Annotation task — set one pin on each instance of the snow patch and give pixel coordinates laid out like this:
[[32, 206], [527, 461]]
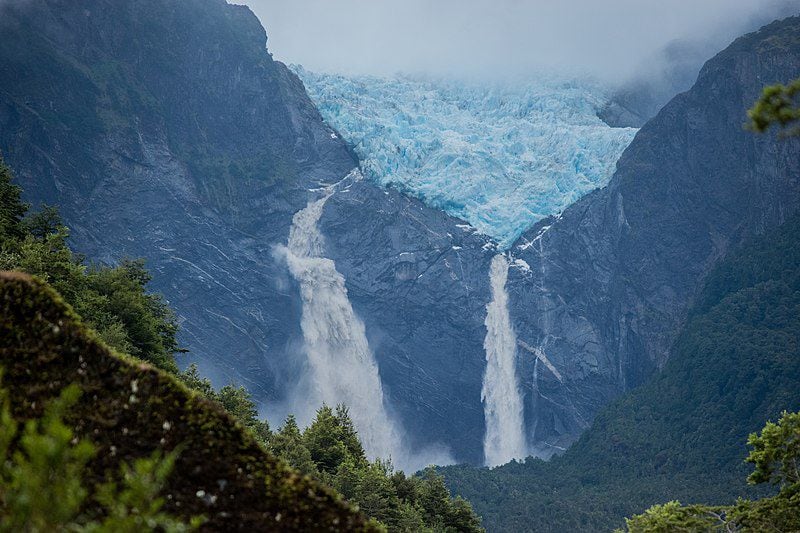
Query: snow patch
[[522, 265]]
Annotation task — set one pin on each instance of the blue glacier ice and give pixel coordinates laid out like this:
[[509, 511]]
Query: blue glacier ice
[[500, 157]]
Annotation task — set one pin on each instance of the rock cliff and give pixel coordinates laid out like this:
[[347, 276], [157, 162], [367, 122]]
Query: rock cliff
[[165, 130], [611, 279]]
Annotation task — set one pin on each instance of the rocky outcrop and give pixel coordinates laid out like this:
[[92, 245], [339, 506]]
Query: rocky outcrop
[[598, 294], [165, 130], [420, 281]]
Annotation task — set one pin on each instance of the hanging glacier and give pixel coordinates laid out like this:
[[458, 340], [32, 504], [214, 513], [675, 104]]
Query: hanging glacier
[[500, 157]]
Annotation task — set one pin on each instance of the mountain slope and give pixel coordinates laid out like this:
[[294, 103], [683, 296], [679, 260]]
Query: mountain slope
[[128, 410], [682, 435], [612, 278], [165, 130], [673, 69]]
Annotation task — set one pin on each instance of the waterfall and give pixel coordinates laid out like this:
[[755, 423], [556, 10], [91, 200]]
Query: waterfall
[[342, 368], [502, 400]]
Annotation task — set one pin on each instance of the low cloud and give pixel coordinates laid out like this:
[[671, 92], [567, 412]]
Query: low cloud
[[610, 38]]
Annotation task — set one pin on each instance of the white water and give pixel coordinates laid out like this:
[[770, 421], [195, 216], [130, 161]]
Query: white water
[[502, 400], [342, 368]]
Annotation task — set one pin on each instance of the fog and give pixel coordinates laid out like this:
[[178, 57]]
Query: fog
[[607, 38]]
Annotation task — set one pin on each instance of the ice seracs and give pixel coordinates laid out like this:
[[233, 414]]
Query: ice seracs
[[498, 157]]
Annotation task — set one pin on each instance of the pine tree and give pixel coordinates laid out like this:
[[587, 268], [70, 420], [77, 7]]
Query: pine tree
[[288, 444], [12, 209]]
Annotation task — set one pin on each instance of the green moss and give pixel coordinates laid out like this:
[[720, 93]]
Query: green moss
[[128, 409]]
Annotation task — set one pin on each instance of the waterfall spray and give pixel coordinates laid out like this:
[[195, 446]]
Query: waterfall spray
[[342, 368], [502, 400]]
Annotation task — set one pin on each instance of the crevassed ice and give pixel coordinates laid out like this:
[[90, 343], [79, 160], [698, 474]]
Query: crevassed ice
[[500, 158]]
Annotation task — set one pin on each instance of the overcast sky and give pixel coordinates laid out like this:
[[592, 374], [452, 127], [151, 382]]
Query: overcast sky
[[605, 37]]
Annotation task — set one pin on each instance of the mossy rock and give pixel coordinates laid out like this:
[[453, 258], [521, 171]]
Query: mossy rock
[[128, 409]]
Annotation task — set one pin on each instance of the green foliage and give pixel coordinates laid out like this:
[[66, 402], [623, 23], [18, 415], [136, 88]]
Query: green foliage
[[134, 504], [129, 409], [115, 303], [673, 517], [112, 300], [776, 107], [288, 445], [235, 400], [12, 210], [776, 452], [46, 221], [43, 484], [329, 449], [778, 513], [682, 435], [776, 456], [332, 440]]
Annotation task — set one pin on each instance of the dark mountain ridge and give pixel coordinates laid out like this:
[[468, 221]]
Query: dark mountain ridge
[[619, 269], [165, 130]]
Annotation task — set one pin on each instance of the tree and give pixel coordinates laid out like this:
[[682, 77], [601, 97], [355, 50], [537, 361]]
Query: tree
[[150, 323], [43, 486], [237, 401], [191, 378], [330, 450], [673, 517], [434, 498], [348, 434], [329, 438], [776, 457], [44, 222], [462, 516], [375, 494], [12, 209], [288, 444], [777, 106], [114, 301], [776, 453]]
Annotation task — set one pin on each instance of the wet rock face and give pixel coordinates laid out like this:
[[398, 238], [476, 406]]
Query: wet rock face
[[612, 278], [165, 130], [598, 297], [420, 281]]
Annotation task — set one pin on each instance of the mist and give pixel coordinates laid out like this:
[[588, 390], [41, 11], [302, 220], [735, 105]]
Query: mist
[[609, 39]]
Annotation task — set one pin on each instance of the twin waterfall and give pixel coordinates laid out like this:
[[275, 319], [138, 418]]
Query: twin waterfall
[[502, 400], [342, 368]]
